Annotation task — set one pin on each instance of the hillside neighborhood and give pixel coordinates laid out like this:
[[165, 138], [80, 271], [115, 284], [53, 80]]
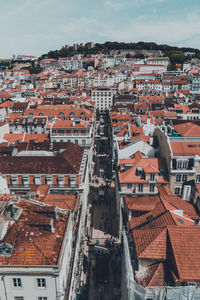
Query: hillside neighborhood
[[100, 177]]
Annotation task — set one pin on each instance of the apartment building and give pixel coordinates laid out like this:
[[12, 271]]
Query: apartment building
[[77, 132], [153, 261], [70, 64], [64, 169], [180, 146], [35, 250], [141, 176], [103, 98]]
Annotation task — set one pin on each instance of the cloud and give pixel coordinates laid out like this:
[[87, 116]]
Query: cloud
[[36, 27], [114, 5], [161, 31], [117, 5]]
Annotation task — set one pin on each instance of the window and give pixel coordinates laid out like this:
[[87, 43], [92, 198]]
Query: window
[[49, 180], [17, 282], [61, 181], [37, 180], [129, 185], [151, 187], [14, 180], [41, 282], [76, 142], [26, 181], [42, 298], [177, 191], [73, 181], [19, 298], [198, 178], [61, 131], [178, 178], [185, 164], [152, 176], [140, 187], [184, 177], [83, 142], [179, 164]]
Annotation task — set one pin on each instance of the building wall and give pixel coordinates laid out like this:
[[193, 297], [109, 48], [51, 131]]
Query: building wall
[[103, 98], [4, 129], [164, 146], [135, 189], [29, 289]]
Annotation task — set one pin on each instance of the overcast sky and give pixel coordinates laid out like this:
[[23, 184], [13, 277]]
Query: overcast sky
[[34, 27]]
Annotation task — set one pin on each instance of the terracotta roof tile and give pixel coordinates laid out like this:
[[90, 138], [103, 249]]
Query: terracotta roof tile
[[151, 243], [32, 245], [185, 243]]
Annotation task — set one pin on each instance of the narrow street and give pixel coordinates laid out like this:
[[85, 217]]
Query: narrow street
[[102, 248]]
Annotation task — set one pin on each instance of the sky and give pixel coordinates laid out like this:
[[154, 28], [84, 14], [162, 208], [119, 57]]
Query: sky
[[35, 27]]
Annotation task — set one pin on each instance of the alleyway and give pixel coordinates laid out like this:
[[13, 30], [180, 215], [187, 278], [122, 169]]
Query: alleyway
[[102, 248]]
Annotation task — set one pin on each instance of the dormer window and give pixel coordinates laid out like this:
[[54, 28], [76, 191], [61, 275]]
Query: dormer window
[[37, 180], [61, 180], [139, 171], [5, 249], [14, 179], [152, 176], [73, 181], [49, 180], [26, 181]]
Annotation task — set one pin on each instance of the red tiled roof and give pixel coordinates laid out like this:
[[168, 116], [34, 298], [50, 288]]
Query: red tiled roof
[[32, 245], [146, 203], [180, 204], [13, 137], [187, 129], [149, 165], [68, 162], [36, 137], [61, 201], [185, 244], [151, 243], [185, 148]]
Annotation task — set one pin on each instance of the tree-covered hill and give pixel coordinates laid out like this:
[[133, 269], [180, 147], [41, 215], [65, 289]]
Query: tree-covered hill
[[176, 54]]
